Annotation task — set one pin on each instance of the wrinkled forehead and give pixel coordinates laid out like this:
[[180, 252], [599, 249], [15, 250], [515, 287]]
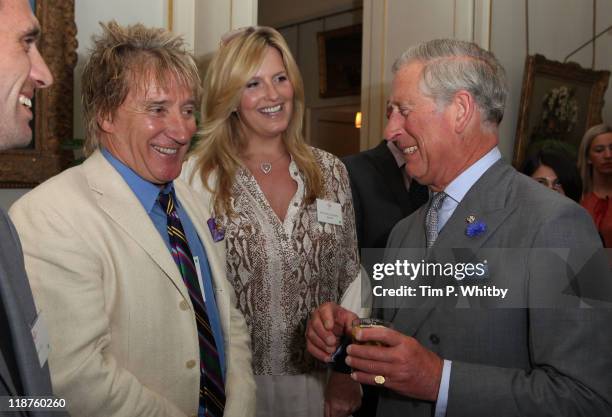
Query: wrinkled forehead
[[405, 79], [149, 83], [145, 72]]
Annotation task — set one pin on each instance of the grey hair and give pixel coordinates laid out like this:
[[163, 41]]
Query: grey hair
[[451, 65]]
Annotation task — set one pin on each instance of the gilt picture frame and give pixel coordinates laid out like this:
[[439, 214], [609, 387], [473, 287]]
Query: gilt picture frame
[[559, 102], [53, 106]]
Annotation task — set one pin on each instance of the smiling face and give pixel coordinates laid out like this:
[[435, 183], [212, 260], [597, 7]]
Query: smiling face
[[22, 70], [600, 154], [424, 133], [151, 130], [266, 103]]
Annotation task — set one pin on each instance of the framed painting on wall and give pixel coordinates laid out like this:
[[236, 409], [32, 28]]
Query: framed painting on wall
[[559, 102], [340, 61], [52, 107]]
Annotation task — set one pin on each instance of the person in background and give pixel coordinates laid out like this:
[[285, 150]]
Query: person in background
[[383, 193], [285, 213], [556, 171], [595, 164], [141, 318], [24, 369]]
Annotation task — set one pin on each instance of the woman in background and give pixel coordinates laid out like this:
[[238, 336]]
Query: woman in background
[[595, 164], [286, 213], [555, 170]]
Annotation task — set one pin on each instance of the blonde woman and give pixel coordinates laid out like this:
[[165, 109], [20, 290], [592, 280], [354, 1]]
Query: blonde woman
[[595, 164], [286, 214]]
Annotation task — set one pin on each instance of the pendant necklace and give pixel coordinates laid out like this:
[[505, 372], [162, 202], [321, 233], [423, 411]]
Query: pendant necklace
[[266, 167]]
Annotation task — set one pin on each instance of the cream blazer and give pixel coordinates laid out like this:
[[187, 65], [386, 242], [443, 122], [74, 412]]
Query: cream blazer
[[122, 330]]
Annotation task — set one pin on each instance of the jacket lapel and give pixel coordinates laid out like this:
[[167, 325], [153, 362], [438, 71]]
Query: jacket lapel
[[486, 201], [117, 200], [197, 207]]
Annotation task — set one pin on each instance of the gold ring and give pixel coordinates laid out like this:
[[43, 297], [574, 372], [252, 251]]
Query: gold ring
[[379, 379]]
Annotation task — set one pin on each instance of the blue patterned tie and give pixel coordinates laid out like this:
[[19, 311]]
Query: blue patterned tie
[[212, 391]]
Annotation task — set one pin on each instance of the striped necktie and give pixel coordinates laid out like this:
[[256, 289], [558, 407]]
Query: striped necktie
[[212, 391]]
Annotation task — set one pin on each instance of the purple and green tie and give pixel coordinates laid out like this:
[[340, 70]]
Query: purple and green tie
[[212, 391]]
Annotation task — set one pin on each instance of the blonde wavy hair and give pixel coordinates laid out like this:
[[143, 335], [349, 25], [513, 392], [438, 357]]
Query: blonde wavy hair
[[584, 165], [238, 58]]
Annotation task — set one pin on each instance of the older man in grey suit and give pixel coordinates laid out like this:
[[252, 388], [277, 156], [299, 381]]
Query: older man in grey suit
[[23, 369], [527, 361]]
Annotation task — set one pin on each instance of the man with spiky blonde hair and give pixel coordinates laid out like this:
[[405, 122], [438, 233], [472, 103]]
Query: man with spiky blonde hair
[[141, 318]]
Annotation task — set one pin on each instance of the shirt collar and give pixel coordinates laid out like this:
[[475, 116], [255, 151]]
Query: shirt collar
[[145, 191], [459, 187]]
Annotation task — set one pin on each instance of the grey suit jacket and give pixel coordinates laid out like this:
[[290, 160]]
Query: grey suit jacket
[[512, 361], [20, 314]]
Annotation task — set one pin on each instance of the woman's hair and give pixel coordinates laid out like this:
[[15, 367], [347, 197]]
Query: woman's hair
[[238, 58], [562, 165], [586, 169]]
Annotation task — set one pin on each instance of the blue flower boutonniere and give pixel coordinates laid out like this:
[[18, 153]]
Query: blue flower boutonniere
[[474, 227], [217, 232]]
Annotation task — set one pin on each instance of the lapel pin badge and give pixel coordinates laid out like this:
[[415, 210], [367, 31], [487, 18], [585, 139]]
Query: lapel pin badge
[[474, 227], [217, 232]]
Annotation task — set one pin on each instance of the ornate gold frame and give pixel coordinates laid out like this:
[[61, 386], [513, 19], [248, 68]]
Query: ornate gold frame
[[537, 70], [24, 168]]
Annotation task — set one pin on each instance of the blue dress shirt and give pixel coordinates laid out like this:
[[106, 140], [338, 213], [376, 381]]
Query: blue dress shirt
[[147, 194], [455, 191]]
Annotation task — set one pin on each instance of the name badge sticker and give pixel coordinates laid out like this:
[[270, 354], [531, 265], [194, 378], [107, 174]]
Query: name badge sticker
[[329, 212], [40, 335], [196, 262]]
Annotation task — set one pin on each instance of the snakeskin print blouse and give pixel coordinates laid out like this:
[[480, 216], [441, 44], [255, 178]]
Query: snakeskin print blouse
[[282, 270]]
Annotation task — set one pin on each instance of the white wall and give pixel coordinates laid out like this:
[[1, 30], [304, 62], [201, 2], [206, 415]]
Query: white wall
[[390, 26], [215, 17], [556, 28], [87, 15]]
